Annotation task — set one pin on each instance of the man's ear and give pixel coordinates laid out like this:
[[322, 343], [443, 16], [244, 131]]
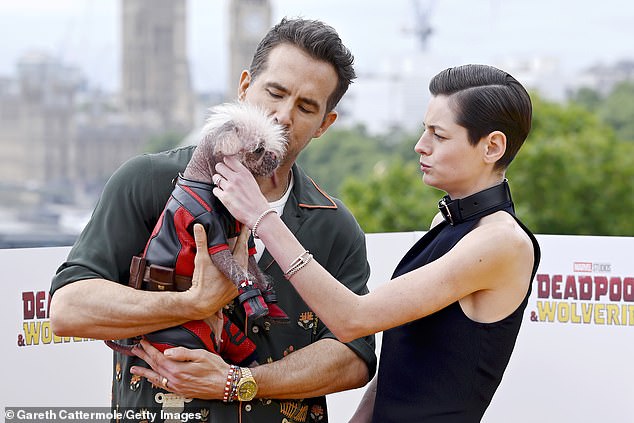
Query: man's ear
[[245, 81], [494, 146], [329, 119]]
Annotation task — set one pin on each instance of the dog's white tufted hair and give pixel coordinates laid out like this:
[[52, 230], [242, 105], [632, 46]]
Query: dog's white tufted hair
[[253, 126]]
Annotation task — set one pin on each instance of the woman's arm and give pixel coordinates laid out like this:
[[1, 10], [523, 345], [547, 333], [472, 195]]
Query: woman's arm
[[482, 260]]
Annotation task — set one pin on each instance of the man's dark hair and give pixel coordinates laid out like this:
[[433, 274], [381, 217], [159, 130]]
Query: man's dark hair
[[487, 99], [318, 40]]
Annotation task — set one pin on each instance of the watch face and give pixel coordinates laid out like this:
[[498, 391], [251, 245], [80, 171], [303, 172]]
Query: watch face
[[247, 390]]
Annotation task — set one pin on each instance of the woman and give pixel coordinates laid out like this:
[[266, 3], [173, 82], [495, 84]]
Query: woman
[[452, 311]]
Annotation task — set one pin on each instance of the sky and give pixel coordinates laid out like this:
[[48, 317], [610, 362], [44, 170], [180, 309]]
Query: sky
[[575, 34]]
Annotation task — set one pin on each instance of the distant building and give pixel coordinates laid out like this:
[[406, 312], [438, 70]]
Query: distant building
[[539, 73], [37, 123], [249, 20], [59, 140], [393, 98], [602, 78], [156, 88], [105, 138], [396, 94]]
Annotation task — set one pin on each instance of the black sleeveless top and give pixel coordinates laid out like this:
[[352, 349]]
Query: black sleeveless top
[[444, 367]]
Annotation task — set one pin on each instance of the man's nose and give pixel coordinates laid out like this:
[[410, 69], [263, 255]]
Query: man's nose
[[282, 115]]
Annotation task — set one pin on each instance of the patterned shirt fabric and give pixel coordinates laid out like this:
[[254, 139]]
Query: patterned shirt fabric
[[121, 225]]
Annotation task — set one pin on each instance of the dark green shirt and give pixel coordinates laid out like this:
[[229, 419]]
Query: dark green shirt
[[122, 222]]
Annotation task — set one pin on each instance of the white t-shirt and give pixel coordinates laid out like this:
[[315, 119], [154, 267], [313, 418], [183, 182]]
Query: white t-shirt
[[278, 205]]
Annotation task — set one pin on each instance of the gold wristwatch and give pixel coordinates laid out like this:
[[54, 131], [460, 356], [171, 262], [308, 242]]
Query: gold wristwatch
[[247, 387]]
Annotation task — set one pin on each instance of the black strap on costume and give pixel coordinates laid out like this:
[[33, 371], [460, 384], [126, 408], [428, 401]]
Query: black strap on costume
[[476, 205]]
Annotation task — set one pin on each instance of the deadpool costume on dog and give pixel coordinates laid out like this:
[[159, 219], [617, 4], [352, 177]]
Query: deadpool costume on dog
[[168, 263]]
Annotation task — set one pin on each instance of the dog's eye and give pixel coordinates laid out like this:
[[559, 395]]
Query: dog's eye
[[259, 150]]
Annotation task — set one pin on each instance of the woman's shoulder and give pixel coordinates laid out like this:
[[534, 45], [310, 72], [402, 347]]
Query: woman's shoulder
[[502, 231]]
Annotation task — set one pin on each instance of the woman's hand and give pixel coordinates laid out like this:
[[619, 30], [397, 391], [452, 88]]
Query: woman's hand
[[238, 190]]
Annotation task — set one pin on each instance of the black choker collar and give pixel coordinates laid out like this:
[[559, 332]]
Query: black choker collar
[[476, 205]]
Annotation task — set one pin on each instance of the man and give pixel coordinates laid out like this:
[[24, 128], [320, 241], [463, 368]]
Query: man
[[299, 72]]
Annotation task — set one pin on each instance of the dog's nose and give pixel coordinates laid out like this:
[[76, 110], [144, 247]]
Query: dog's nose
[[269, 155]]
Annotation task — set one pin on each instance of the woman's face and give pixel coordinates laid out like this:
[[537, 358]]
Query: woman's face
[[447, 159]]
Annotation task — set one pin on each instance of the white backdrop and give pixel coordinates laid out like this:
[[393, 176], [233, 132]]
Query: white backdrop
[[572, 362]]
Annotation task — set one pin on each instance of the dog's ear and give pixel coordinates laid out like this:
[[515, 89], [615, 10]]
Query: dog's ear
[[227, 141]]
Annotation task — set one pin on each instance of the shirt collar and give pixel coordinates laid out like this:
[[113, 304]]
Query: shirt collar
[[308, 194]]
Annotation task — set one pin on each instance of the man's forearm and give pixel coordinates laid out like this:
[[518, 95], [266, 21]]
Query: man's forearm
[[101, 309], [325, 367]]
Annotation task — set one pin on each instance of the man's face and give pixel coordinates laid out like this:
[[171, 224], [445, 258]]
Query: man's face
[[294, 88]]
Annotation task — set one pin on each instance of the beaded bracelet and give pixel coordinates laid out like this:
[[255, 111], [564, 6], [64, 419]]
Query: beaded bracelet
[[301, 261], [233, 395], [258, 220], [231, 385]]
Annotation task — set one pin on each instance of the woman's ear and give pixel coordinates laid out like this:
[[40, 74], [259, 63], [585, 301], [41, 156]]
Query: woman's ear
[[494, 147]]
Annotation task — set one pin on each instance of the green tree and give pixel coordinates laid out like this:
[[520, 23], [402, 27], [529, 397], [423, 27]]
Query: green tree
[[573, 176], [340, 153], [588, 98], [392, 199], [343, 153], [617, 110], [402, 146]]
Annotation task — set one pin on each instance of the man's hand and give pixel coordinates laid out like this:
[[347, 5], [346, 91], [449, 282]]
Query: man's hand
[[210, 287], [191, 373]]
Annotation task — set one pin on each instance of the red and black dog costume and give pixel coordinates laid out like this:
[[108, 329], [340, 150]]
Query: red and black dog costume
[[168, 263]]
